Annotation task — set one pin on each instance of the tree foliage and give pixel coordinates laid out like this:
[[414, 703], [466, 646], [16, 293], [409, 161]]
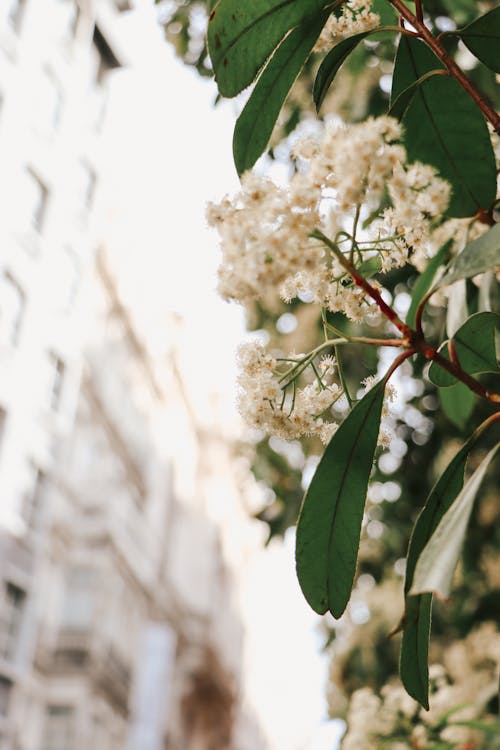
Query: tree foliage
[[446, 336]]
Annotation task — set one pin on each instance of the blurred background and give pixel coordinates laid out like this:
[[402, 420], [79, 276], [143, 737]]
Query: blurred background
[[148, 598], [138, 606]]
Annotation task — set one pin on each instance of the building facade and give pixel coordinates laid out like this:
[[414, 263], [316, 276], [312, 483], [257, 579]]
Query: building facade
[[118, 622]]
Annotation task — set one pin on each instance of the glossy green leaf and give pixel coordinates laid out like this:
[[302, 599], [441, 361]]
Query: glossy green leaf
[[477, 257], [482, 37], [403, 100], [414, 660], [388, 15], [436, 565], [424, 282], [331, 65], [463, 156], [256, 122], [329, 524], [438, 375], [457, 402], [241, 36], [475, 348]]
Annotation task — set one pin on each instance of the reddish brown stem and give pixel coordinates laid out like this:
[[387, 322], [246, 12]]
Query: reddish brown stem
[[399, 361], [413, 340], [456, 370], [360, 281], [418, 10], [448, 60]]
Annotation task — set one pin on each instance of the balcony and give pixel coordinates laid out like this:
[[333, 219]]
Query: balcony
[[85, 653]]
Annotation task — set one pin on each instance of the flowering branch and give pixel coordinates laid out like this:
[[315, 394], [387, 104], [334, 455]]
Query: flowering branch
[[413, 340], [360, 281], [447, 60]]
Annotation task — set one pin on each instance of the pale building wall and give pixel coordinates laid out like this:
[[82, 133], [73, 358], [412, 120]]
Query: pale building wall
[[120, 544]]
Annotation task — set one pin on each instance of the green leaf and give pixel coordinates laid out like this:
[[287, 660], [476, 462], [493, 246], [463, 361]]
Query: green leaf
[[403, 100], [463, 156], [477, 257], [424, 282], [242, 35], [388, 14], [329, 524], [255, 124], [438, 375], [482, 37], [413, 665], [457, 402], [437, 563], [414, 658], [475, 348], [331, 65]]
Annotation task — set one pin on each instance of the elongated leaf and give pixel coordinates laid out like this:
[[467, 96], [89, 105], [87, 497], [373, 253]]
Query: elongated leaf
[[255, 124], [414, 657], [475, 348], [331, 65], [242, 35], [464, 155], [482, 37], [437, 563], [403, 100], [457, 402], [477, 257], [413, 665], [424, 282], [329, 525]]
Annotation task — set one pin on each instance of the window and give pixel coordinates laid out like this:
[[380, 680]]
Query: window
[[56, 377], [59, 728], [3, 419], [33, 499], [11, 617], [13, 11], [12, 304], [106, 57], [5, 688], [33, 199], [87, 180], [48, 102], [79, 600]]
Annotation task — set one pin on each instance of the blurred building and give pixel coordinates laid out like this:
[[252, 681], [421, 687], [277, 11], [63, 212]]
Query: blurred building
[[118, 624]]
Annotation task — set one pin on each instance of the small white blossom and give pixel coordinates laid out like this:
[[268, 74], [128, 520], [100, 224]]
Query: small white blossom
[[355, 16]]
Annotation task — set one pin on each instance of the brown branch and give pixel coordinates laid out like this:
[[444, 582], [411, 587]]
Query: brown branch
[[454, 369], [413, 340], [360, 281], [448, 60]]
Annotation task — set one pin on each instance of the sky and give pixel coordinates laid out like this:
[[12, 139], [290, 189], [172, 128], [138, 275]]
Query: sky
[[177, 156]]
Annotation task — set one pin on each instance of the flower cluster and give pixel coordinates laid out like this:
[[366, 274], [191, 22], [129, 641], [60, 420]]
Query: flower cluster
[[342, 177], [461, 689], [273, 242], [355, 17], [287, 411], [264, 234]]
